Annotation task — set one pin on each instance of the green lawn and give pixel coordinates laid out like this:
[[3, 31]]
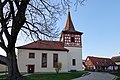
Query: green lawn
[[117, 74], [3, 77], [53, 76]]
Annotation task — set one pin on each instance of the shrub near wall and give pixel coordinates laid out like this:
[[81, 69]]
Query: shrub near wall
[[58, 67]]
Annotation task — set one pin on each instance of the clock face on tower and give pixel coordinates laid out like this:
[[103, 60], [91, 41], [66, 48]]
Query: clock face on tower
[[72, 40]]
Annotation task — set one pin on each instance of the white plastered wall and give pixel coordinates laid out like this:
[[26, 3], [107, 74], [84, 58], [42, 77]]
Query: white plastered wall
[[75, 53], [118, 63], [23, 60], [3, 68]]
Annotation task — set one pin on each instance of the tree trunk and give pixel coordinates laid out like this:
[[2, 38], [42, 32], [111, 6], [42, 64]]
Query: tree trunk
[[13, 72]]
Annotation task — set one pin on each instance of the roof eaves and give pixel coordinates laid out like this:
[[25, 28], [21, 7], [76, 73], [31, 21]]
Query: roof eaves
[[44, 49]]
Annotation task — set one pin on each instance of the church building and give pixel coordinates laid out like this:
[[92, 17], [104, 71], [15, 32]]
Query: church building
[[41, 55]]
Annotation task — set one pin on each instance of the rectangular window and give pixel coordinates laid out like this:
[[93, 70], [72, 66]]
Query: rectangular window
[[31, 55], [73, 62], [72, 39], [55, 59], [44, 60]]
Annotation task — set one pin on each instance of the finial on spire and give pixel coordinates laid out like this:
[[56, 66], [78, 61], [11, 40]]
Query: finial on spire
[[68, 5]]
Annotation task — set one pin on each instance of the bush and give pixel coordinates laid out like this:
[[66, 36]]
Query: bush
[[58, 67]]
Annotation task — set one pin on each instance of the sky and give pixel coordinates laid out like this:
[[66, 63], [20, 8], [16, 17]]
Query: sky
[[99, 20]]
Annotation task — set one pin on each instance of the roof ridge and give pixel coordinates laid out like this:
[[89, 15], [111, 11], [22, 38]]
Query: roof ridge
[[98, 57], [38, 41], [115, 56]]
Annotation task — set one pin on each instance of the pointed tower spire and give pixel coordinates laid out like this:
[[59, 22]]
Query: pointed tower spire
[[69, 24], [69, 29]]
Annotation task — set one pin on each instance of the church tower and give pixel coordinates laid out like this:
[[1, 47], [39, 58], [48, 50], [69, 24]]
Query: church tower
[[71, 40]]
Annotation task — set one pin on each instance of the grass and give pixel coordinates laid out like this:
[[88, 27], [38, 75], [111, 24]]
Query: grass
[[3, 77], [117, 74], [52, 76]]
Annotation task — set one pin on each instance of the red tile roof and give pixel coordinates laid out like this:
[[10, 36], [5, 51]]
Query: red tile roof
[[44, 45], [1, 62], [97, 61], [116, 58]]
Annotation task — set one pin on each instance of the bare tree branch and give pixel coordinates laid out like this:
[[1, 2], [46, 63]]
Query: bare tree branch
[[12, 8], [2, 43], [33, 17]]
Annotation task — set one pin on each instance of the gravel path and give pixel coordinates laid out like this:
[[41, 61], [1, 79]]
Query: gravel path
[[97, 76]]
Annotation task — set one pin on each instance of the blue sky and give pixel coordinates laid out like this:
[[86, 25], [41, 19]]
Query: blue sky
[[99, 20]]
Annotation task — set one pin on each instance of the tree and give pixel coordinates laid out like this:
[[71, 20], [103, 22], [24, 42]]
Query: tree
[[34, 18]]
